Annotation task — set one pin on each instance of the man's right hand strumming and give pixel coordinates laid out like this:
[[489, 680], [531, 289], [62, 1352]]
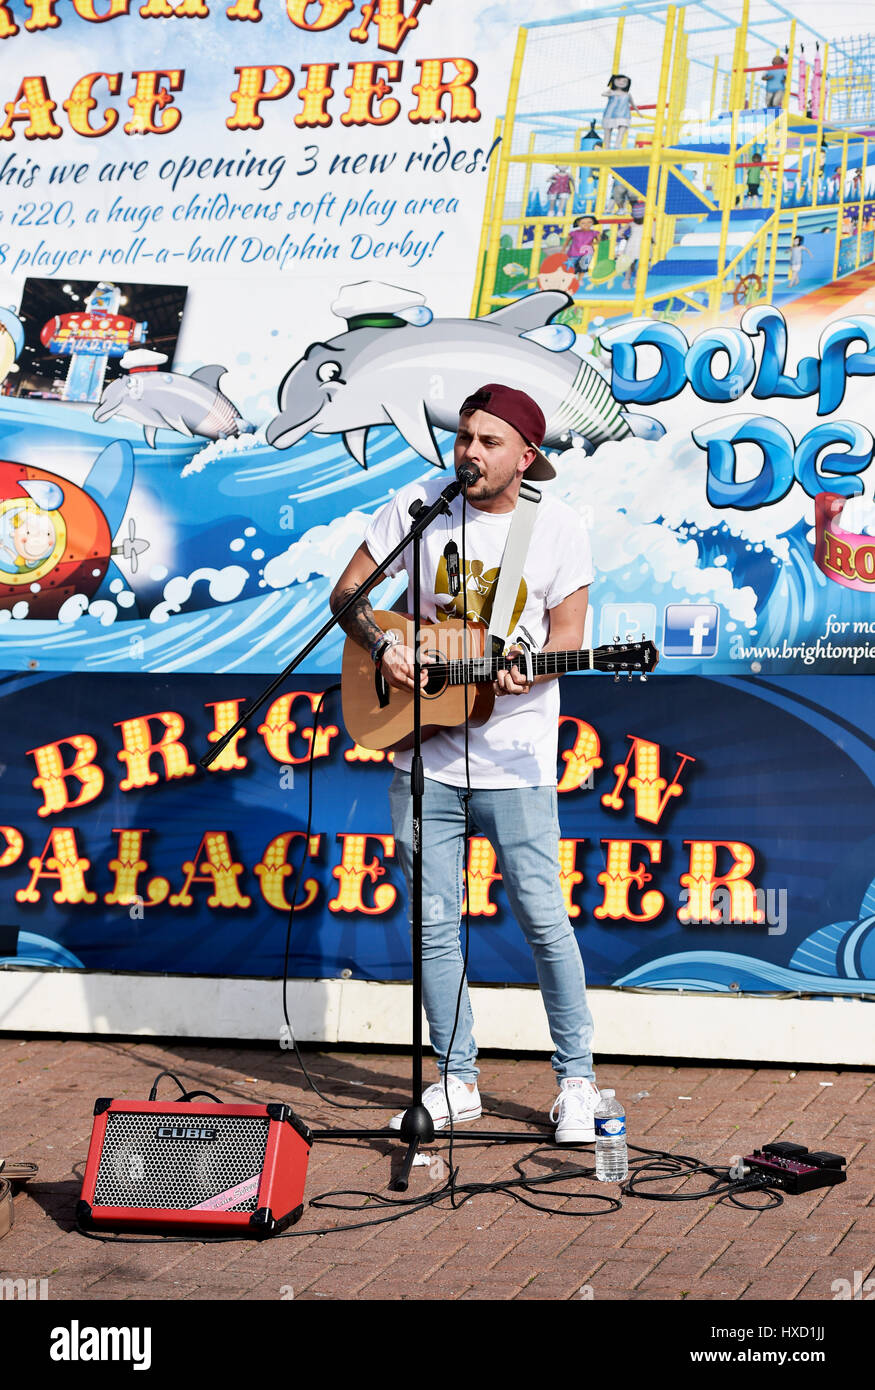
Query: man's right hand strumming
[[398, 669], [396, 661]]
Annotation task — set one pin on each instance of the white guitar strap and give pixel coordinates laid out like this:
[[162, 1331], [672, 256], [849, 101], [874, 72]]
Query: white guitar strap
[[516, 548]]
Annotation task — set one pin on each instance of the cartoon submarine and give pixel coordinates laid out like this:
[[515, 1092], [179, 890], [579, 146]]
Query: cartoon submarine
[[56, 539]]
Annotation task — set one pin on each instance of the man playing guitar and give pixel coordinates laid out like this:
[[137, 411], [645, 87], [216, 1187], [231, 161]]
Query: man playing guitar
[[511, 759]]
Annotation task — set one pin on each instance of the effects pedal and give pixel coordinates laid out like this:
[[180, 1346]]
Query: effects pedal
[[792, 1168]]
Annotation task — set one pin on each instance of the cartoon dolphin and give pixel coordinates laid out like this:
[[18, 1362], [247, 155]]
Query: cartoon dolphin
[[396, 365], [170, 400]]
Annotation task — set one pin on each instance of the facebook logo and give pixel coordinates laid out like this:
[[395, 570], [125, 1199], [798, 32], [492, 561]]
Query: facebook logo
[[618, 619], [690, 629]]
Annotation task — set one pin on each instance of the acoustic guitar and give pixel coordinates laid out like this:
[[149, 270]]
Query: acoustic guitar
[[460, 676]]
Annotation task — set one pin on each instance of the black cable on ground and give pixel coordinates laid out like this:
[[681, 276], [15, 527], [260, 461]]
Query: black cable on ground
[[654, 1165], [667, 1167]]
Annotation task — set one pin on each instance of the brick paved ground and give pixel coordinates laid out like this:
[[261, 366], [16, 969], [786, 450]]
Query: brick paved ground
[[491, 1248]]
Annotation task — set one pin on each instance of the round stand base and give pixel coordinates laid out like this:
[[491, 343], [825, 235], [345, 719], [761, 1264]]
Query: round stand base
[[417, 1124]]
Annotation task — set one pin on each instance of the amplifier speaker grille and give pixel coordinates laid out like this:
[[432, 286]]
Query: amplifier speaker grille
[[139, 1169]]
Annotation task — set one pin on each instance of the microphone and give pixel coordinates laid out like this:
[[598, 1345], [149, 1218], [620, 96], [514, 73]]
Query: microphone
[[467, 476]]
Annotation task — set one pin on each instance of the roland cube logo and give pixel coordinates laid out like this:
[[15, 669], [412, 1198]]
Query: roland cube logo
[[690, 629], [184, 1132]]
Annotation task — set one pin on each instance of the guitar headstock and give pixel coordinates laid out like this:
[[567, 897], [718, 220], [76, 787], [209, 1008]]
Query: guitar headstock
[[626, 658]]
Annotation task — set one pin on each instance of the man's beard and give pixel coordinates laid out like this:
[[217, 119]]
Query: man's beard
[[484, 492]]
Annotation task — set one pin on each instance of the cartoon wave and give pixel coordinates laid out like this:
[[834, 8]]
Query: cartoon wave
[[234, 512], [30, 949], [238, 509], [724, 972], [257, 634], [838, 958]]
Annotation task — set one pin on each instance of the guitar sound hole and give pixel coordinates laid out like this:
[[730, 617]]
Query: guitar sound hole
[[436, 684]]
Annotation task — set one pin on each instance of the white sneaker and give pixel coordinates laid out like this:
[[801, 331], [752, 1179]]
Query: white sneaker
[[574, 1111], [465, 1104]]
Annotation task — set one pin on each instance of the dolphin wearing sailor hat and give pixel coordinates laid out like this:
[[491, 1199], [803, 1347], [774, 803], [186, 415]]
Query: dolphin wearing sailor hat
[[398, 365]]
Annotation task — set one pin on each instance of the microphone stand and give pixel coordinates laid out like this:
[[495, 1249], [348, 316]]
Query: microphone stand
[[417, 1126]]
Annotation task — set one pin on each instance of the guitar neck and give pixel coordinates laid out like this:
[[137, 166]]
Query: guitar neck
[[479, 669]]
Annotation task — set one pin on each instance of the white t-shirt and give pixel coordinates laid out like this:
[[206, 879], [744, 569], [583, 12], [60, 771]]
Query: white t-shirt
[[517, 745]]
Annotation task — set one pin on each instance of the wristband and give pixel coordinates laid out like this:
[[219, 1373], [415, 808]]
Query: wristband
[[378, 650]]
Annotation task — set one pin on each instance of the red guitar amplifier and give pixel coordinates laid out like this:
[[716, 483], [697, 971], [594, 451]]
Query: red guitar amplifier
[[186, 1168]]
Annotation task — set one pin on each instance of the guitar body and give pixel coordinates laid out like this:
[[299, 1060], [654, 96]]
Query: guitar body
[[460, 679], [383, 719]]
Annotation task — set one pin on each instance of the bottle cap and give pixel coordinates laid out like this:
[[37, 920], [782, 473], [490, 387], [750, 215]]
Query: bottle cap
[[608, 1093]]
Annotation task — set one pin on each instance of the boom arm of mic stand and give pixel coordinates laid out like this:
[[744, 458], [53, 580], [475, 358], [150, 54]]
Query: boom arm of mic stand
[[423, 519]]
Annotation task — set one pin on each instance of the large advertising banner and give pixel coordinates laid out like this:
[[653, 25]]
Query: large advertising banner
[[693, 853], [253, 255]]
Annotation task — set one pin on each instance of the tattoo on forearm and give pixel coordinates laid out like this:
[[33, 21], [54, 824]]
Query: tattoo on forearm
[[358, 622]]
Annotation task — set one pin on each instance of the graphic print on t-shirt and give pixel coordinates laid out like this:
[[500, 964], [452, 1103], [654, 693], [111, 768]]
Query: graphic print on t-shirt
[[475, 599]]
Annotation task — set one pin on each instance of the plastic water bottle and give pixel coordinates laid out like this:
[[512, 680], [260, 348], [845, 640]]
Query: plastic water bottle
[[611, 1158]]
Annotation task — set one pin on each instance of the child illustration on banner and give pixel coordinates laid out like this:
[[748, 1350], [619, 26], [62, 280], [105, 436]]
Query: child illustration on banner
[[796, 251], [29, 529], [754, 178], [616, 116], [555, 274], [776, 80], [581, 243], [621, 197], [559, 190], [629, 249]]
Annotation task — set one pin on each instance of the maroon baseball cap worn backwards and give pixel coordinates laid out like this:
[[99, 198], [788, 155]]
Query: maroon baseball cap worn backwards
[[525, 415]]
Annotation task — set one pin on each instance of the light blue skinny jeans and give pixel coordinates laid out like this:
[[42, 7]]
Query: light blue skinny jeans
[[522, 824]]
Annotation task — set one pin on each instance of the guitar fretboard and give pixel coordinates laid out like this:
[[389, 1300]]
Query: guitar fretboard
[[479, 669]]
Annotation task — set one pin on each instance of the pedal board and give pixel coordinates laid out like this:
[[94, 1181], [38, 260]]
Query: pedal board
[[792, 1168]]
